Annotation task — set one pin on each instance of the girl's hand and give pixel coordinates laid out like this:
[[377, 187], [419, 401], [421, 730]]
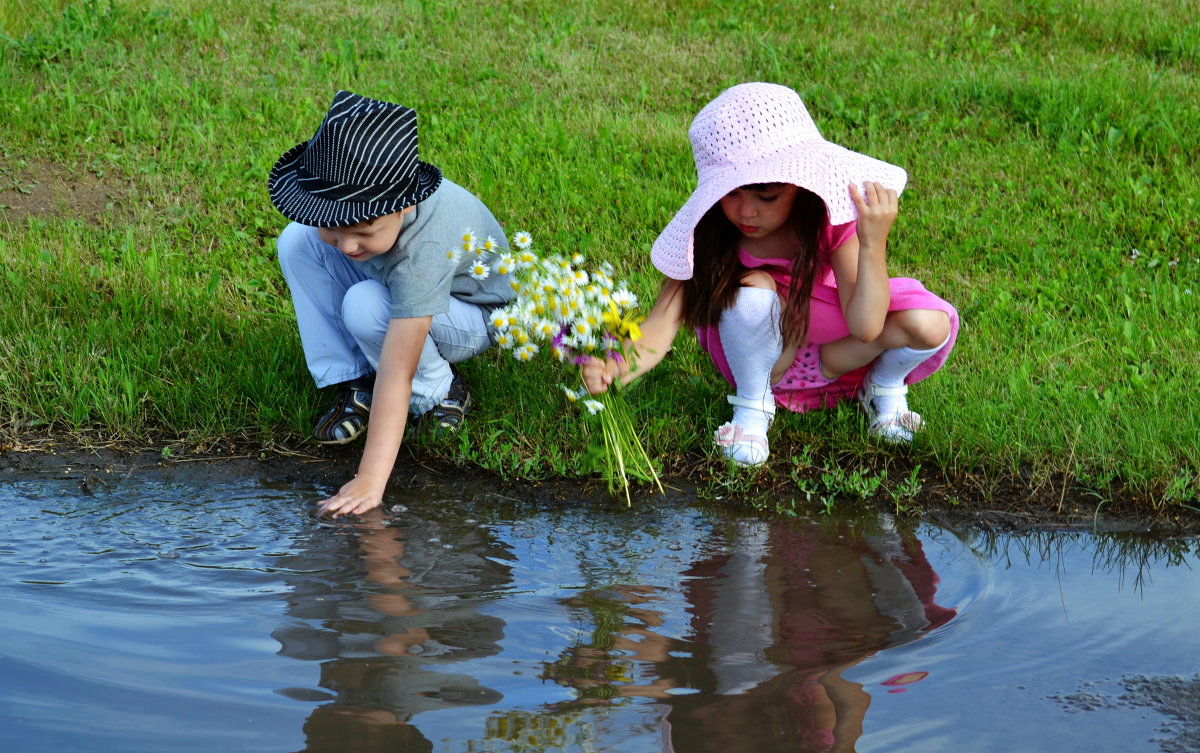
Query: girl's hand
[[597, 376], [877, 209]]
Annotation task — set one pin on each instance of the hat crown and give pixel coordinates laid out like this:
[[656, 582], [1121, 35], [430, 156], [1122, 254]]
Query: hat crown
[[363, 147], [748, 123]]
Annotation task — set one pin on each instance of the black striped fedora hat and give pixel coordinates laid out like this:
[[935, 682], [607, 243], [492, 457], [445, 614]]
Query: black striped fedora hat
[[361, 164]]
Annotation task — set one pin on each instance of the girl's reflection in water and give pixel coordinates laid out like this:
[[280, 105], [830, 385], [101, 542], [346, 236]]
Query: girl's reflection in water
[[388, 626], [775, 620]]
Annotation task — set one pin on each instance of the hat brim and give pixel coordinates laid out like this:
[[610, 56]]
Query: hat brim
[[822, 167], [300, 206]]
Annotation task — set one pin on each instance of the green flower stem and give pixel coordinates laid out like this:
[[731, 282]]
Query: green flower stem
[[624, 455]]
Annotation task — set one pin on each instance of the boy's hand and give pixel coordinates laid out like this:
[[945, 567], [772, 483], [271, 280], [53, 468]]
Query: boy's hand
[[877, 209], [356, 496], [596, 375]]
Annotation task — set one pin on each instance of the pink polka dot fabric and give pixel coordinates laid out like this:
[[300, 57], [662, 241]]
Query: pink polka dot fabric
[[762, 133]]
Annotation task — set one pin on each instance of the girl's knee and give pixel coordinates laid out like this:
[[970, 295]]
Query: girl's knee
[[925, 328], [756, 278], [752, 309]]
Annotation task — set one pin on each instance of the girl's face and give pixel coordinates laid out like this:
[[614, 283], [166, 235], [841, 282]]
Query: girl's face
[[366, 239], [759, 210]]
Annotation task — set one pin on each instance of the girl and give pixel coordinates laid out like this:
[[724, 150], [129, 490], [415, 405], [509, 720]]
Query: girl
[[778, 260]]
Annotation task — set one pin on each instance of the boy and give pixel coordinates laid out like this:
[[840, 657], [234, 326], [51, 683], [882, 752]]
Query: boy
[[382, 311]]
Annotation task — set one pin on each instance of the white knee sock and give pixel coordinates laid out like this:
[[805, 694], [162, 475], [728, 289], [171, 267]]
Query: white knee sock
[[890, 369], [750, 338]]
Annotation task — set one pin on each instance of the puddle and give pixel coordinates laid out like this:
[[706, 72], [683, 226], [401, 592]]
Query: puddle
[[149, 615]]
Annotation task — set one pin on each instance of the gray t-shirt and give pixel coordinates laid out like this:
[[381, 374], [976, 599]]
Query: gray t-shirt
[[417, 272]]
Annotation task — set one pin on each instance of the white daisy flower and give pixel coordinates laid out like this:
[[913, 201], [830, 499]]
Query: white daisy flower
[[453, 255], [480, 271], [500, 320], [593, 406], [506, 264], [545, 329], [522, 240], [624, 298]]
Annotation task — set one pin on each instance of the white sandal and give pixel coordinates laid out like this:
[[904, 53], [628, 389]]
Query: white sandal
[[898, 427], [740, 447]]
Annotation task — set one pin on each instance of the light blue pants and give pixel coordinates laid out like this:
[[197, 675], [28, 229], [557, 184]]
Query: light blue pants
[[343, 316]]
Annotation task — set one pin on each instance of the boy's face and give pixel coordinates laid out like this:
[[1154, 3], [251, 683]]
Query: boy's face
[[366, 239]]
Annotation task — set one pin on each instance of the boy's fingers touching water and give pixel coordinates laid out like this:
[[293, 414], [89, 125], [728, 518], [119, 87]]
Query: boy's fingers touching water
[[354, 498]]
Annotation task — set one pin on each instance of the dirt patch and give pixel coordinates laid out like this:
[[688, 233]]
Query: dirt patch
[[1013, 503], [50, 190], [1176, 698]]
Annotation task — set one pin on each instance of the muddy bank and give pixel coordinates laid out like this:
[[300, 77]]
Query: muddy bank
[[1011, 503]]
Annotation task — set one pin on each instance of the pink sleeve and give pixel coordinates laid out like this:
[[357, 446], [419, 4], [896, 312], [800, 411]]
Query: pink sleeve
[[836, 235], [832, 237]]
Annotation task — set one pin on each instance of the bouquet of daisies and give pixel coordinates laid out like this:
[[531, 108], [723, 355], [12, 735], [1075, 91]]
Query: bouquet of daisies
[[565, 310]]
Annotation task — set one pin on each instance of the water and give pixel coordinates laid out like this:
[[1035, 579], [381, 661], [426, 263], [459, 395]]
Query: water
[[152, 616]]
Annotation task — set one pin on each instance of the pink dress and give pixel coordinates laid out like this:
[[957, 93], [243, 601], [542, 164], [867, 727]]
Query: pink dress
[[798, 391]]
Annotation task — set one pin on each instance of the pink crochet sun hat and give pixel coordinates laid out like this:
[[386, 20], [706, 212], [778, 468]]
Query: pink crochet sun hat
[[762, 133]]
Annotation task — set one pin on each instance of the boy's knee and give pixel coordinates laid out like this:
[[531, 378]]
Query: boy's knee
[[366, 307], [292, 241]]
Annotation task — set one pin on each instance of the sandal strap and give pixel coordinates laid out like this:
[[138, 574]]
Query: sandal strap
[[871, 390], [746, 403]]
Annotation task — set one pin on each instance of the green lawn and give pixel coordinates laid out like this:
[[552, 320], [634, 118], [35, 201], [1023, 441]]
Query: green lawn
[[1052, 148]]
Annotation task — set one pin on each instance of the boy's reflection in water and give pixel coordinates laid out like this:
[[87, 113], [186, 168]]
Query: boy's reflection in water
[[387, 624], [775, 622]]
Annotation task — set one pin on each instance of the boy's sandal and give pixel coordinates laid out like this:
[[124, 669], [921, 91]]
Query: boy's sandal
[[898, 427], [448, 415], [740, 447], [347, 419]]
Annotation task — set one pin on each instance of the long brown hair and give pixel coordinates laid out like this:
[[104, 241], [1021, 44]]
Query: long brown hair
[[717, 272]]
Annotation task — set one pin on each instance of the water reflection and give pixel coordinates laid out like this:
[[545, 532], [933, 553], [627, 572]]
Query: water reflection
[[143, 616], [388, 624], [775, 618]]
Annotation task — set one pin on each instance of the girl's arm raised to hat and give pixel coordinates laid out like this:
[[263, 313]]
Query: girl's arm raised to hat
[[389, 413], [860, 264], [658, 332]]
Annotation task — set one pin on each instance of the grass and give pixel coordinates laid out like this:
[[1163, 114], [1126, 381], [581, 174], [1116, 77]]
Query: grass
[[1053, 198]]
